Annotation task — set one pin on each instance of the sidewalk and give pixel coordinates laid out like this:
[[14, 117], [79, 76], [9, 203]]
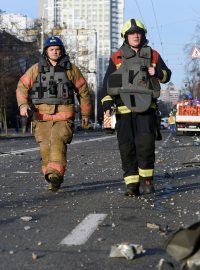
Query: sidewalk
[[12, 133]]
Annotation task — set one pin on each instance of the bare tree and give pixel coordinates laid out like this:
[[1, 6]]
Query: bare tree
[[192, 72]]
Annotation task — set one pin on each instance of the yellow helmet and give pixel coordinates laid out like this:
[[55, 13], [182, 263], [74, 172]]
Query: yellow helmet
[[131, 26]]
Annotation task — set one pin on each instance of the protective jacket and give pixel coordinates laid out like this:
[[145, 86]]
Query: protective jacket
[[127, 72], [50, 89]]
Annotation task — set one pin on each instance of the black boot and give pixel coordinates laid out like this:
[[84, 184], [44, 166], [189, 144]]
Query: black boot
[[147, 187], [132, 190], [158, 136], [55, 181]]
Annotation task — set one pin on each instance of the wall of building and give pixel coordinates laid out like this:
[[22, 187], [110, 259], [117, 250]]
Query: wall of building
[[16, 57], [16, 24], [170, 94], [105, 17]]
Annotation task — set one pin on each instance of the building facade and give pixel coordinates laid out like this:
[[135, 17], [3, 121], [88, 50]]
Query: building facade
[[104, 17], [16, 56], [171, 94], [15, 24]]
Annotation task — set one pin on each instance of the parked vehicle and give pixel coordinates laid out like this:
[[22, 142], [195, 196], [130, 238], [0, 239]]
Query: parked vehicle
[[188, 116], [164, 123]]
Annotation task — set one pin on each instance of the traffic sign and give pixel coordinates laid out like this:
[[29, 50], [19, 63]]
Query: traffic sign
[[195, 53]]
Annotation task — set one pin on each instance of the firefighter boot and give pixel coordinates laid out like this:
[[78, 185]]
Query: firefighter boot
[[147, 187], [55, 182], [132, 190]]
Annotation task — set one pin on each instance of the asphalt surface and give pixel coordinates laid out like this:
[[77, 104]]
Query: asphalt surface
[[93, 187]]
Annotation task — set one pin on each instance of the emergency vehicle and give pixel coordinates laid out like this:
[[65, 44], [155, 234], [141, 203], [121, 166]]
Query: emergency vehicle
[[188, 116]]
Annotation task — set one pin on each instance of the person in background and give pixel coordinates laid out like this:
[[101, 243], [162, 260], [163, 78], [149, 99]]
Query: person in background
[[132, 86], [48, 88], [172, 123]]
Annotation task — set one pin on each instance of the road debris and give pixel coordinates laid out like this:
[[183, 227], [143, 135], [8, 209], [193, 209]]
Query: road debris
[[164, 265], [191, 164], [26, 218], [34, 256], [126, 250], [26, 228], [184, 247], [153, 226]]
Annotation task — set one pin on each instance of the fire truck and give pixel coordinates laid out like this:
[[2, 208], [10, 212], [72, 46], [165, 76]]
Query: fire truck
[[188, 116]]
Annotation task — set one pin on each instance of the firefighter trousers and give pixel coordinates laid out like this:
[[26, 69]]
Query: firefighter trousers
[[53, 138], [136, 139]]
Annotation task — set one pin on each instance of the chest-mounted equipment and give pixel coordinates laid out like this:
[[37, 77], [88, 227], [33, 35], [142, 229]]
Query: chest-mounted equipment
[[132, 80], [52, 85]]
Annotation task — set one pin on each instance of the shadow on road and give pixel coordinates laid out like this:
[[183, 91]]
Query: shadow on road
[[93, 185]]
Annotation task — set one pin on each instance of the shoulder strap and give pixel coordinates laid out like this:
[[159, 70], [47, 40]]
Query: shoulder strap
[[65, 62], [43, 65]]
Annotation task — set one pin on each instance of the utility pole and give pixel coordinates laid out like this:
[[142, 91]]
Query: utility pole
[[96, 92], [42, 34]]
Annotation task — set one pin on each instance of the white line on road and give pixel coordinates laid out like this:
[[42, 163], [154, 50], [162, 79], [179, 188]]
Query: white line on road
[[37, 148], [24, 172], [19, 151], [83, 230], [93, 140]]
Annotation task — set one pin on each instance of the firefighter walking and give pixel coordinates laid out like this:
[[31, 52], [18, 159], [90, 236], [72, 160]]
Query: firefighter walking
[[48, 88], [132, 83]]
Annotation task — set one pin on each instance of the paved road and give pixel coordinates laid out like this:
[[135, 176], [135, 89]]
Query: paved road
[[76, 227]]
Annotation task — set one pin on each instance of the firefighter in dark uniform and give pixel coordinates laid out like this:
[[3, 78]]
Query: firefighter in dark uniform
[[132, 83], [48, 87]]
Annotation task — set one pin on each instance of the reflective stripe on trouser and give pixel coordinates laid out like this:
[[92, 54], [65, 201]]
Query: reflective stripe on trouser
[[131, 179], [53, 138], [146, 174], [136, 139], [125, 109]]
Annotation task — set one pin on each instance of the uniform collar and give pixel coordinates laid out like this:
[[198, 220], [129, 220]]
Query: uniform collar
[[127, 52]]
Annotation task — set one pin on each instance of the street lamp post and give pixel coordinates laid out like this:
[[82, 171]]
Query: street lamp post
[[42, 35], [96, 96], [95, 82], [91, 67]]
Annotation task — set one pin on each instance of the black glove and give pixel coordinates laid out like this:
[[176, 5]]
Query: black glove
[[108, 105]]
